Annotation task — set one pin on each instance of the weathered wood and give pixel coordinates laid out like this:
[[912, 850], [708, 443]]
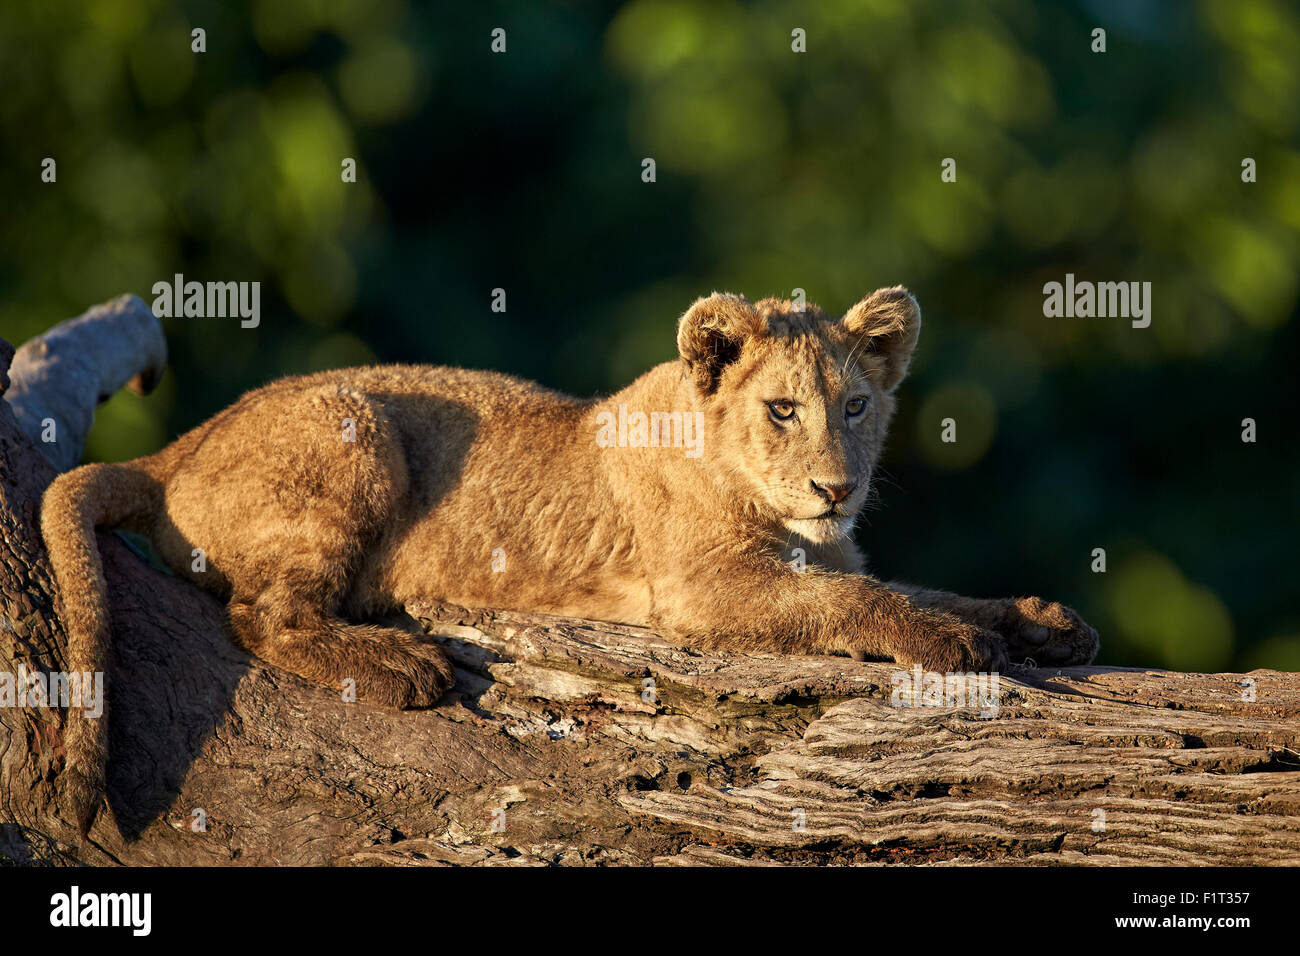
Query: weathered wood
[[61, 375], [554, 733]]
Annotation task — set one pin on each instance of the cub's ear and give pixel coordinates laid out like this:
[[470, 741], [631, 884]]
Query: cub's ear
[[712, 332], [886, 324]]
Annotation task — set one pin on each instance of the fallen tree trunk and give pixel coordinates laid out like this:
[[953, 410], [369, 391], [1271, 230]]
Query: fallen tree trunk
[[580, 742]]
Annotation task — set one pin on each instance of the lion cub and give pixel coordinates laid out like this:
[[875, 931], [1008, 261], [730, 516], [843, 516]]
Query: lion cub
[[322, 500]]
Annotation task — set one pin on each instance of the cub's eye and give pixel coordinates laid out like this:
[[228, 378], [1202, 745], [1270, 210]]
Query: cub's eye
[[855, 406], [781, 411]]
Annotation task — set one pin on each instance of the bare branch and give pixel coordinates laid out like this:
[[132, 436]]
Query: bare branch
[[62, 375]]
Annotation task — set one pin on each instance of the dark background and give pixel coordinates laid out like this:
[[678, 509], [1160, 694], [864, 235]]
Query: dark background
[[775, 170]]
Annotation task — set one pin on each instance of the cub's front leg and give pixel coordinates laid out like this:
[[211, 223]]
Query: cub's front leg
[[1033, 629], [751, 602]]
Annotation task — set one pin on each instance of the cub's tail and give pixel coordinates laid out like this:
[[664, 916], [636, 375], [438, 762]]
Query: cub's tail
[[73, 505]]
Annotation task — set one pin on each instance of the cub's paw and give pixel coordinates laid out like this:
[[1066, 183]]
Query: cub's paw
[[1049, 634], [947, 644], [414, 676]]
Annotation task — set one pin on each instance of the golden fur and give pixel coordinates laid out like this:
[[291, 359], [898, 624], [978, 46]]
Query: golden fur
[[320, 501]]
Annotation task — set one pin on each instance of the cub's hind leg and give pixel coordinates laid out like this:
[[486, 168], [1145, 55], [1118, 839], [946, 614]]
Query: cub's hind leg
[[284, 503], [290, 623]]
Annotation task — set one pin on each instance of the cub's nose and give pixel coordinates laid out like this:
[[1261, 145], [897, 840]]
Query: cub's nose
[[834, 493]]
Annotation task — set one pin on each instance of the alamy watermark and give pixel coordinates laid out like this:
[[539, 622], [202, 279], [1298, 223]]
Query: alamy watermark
[[639, 429], [969, 691], [208, 300], [129, 910], [1125, 300], [39, 689]]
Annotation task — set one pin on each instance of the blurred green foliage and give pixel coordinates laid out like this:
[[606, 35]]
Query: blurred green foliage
[[775, 170]]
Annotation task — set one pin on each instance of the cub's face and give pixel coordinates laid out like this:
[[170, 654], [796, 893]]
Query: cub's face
[[799, 402]]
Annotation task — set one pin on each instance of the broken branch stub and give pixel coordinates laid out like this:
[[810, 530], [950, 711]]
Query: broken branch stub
[[57, 378]]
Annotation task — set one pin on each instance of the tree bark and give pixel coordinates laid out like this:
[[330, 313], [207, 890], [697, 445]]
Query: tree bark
[[579, 742]]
